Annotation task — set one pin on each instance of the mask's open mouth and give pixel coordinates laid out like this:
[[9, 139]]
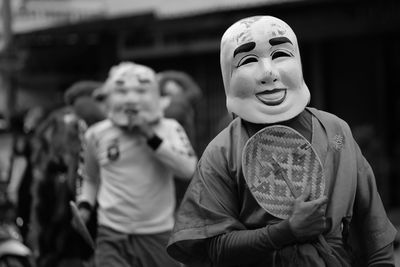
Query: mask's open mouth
[[272, 97], [130, 110]]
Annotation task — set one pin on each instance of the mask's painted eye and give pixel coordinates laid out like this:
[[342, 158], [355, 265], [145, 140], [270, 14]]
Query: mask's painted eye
[[280, 53], [141, 90], [247, 60], [121, 90]]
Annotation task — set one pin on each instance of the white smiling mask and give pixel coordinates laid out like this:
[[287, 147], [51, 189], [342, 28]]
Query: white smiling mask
[[261, 70], [132, 90]]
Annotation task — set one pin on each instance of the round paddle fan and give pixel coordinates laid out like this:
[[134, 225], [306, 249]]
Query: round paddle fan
[[278, 163]]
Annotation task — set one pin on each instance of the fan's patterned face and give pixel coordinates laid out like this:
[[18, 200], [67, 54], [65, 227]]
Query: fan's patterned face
[[262, 72], [278, 163]]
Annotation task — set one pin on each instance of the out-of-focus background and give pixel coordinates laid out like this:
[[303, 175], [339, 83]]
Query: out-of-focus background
[[350, 54]]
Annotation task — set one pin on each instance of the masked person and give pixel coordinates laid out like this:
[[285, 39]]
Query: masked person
[[182, 94], [130, 160], [220, 223]]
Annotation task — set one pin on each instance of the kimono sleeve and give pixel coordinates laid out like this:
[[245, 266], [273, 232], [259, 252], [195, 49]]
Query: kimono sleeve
[[374, 230], [209, 208]]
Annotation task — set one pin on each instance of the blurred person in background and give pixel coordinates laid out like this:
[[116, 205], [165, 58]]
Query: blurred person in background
[[180, 96], [130, 160], [84, 102], [222, 222], [57, 156], [13, 251], [100, 96], [373, 149], [89, 108], [80, 96], [20, 171]]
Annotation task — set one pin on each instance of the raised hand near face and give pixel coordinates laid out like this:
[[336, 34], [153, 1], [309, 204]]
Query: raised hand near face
[[139, 123]]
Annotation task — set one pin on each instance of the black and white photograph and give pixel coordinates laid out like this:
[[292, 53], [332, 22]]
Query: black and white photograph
[[199, 133]]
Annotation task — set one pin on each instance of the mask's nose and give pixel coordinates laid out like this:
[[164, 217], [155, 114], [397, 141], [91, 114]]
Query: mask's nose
[[268, 72], [132, 98], [129, 103]]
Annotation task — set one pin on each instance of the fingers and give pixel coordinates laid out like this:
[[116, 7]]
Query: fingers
[[324, 225], [74, 223], [328, 224], [318, 205], [306, 193], [320, 201], [84, 215], [320, 224], [310, 227]]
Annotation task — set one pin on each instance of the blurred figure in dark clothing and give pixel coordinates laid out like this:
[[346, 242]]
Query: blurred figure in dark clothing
[[20, 174], [372, 146], [80, 98], [180, 96], [86, 102], [13, 252], [57, 154]]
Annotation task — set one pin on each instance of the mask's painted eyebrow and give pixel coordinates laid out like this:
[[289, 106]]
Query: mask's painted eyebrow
[[244, 48], [144, 80], [279, 40]]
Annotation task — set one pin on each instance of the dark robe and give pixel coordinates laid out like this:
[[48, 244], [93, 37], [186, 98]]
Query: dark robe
[[218, 201]]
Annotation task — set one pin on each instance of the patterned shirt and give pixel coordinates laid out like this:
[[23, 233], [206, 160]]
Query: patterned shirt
[[133, 182]]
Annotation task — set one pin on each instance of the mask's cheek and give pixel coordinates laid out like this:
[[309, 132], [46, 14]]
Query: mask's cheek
[[292, 77], [115, 102], [242, 88], [149, 101]]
